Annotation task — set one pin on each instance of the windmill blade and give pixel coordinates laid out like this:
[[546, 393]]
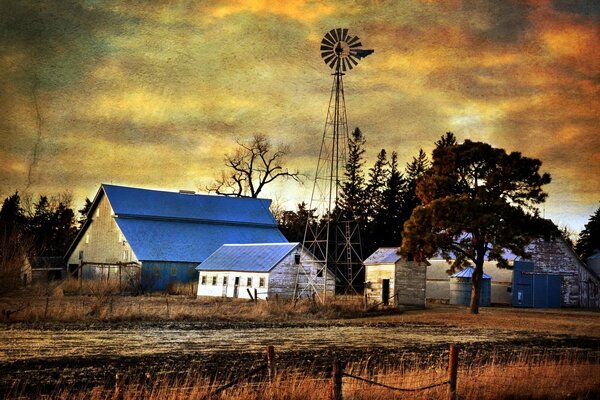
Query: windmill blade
[[351, 58], [338, 31], [355, 45], [344, 35], [332, 63], [354, 39], [329, 58], [347, 64], [326, 47], [329, 36], [334, 34], [327, 42]]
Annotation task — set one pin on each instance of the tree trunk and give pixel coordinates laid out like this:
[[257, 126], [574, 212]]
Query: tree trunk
[[476, 288]]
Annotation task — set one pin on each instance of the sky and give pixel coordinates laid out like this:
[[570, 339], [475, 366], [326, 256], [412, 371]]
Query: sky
[[154, 94]]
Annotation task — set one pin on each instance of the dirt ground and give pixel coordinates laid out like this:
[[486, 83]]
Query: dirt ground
[[171, 336]]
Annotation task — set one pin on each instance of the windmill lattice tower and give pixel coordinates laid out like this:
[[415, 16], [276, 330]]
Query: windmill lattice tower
[[334, 241]]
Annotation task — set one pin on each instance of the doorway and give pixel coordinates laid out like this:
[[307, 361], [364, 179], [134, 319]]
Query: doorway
[[236, 285], [385, 292]]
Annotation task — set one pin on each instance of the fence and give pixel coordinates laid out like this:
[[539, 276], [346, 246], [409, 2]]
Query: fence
[[337, 375]]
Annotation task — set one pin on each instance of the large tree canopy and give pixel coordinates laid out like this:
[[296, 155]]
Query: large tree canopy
[[477, 200]]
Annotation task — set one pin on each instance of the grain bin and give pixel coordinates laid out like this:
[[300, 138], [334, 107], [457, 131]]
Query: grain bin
[[460, 288]]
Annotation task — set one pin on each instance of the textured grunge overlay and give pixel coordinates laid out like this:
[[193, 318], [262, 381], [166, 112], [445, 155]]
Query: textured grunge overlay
[[153, 94]]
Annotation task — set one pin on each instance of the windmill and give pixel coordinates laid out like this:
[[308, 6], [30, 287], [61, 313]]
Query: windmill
[[334, 242]]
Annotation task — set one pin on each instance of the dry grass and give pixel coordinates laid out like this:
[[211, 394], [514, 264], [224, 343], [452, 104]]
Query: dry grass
[[519, 378], [101, 302]]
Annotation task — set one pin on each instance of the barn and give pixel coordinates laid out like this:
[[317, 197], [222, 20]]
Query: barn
[[261, 270], [154, 238], [560, 275], [389, 279]]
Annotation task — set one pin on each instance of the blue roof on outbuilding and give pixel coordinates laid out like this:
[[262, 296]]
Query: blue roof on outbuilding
[[383, 255], [256, 257]]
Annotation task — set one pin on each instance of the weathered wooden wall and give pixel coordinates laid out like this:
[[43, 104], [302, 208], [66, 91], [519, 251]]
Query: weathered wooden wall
[[409, 286], [579, 287], [103, 240], [282, 279]]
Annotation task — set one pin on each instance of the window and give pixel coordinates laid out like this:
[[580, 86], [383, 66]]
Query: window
[[125, 255], [203, 280], [87, 239], [174, 271], [249, 281], [261, 282], [97, 212], [224, 281], [320, 272], [214, 280], [81, 254]]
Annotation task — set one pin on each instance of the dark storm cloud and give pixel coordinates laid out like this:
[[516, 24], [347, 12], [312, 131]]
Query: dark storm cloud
[[584, 8], [503, 21], [54, 42]]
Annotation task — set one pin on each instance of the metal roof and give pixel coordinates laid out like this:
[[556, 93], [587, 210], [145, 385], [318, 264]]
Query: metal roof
[[468, 273], [188, 241], [383, 255], [256, 257], [180, 227], [128, 201]]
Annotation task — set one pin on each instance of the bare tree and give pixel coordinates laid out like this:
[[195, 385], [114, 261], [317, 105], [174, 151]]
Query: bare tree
[[252, 166]]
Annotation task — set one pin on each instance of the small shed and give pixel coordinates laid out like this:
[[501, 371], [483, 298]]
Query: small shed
[[392, 280], [262, 270], [461, 284]]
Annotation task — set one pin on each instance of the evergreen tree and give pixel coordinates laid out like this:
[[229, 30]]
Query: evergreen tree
[[351, 201], [446, 140], [293, 223], [12, 243], [589, 238], [83, 212], [394, 212], [378, 176], [413, 172]]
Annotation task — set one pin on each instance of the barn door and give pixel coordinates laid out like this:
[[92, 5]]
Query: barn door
[[385, 292], [236, 285]]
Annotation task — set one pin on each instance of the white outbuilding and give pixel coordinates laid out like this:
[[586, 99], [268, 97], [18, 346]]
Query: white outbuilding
[[392, 280], [262, 270]]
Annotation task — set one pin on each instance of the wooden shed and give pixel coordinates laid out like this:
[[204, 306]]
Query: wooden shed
[[264, 270], [393, 281]]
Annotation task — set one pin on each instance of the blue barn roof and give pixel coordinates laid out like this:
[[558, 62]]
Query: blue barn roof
[[256, 257], [180, 227]]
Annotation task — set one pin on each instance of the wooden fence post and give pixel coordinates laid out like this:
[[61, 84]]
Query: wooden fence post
[[255, 295], [452, 372], [336, 380], [271, 362]]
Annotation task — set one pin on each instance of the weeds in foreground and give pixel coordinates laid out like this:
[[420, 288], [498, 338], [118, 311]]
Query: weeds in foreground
[[102, 302], [523, 376]]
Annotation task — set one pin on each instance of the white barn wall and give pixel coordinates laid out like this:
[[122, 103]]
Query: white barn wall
[[228, 290], [102, 241], [279, 282]]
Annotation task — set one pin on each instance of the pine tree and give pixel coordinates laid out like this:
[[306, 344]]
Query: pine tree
[[394, 213], [352, 197], [378, 175], [414, 170], [589, 238]]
